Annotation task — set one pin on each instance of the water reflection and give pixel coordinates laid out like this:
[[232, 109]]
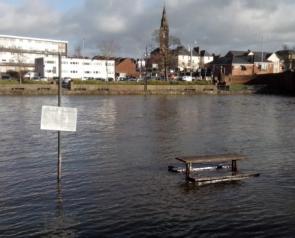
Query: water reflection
[[106, 115], [59, 202]]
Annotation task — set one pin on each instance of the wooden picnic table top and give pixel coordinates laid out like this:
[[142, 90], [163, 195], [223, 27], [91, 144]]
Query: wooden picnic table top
[[210, 158]]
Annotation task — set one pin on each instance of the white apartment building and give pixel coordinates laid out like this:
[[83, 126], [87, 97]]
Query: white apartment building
[[75, 68], [19, 53]]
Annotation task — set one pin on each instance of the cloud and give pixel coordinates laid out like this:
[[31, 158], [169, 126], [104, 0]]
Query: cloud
[[30, 18], [112, 24], [217, 25]]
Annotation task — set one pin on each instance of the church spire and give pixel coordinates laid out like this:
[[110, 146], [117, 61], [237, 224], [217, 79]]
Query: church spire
[[164, 21], [164, 32]]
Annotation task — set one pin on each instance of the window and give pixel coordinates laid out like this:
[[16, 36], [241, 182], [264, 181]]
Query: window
[[87, 72], [50, 62]]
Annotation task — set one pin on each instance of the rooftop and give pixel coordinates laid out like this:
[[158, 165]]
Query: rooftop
[[32, 38]]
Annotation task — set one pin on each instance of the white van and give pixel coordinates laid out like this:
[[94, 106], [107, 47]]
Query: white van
[[29, 75], [187, 78]]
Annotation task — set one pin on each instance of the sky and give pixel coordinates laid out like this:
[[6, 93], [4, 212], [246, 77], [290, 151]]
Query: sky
[[214, 25]]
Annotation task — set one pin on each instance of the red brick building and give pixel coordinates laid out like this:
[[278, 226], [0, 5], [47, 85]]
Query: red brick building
[[126, 67], [243, 63]]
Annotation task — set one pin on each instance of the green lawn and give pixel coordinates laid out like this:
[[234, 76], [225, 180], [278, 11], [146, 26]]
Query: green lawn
[[6, 82], [237, 87]]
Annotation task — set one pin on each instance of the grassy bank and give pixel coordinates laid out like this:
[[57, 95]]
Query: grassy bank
[[16, 82], [238, 87], [8, 82]]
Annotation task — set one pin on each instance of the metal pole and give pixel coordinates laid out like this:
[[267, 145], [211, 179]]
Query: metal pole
[[191, 63], [253, 65], [59, 132], [145, 65]]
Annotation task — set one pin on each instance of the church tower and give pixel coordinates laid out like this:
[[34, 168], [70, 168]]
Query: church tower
[[164, 33]]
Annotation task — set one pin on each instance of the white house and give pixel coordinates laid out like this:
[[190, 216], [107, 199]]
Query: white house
[[186, 59], [18, 53], [276, 62], [191, 59], [206, 58], [75, 68]]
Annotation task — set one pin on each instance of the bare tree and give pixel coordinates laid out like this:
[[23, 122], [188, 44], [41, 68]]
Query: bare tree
[[20, 60], [285, 47], [108, 48], [78, 51], [173, 40]]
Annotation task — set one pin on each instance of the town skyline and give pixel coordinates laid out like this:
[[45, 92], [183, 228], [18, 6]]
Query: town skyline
[[217, 26]]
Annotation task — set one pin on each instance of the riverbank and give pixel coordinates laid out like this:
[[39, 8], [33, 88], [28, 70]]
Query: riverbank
[[106, 89], [281, 83]]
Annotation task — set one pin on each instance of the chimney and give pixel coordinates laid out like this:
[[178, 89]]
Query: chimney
[[197, 50]]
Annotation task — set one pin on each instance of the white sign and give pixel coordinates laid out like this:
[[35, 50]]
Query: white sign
[[58, 118]]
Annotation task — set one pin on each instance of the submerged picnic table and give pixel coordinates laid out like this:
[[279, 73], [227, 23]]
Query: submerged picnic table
[[232, 158]]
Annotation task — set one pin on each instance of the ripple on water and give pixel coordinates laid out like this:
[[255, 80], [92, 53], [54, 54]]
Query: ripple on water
[[115, 181]]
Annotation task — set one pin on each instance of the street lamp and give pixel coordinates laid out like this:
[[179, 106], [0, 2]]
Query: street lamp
[[252, 58], [191, 62]]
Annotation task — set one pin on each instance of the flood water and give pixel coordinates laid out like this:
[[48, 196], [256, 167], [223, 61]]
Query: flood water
[[115, 181]]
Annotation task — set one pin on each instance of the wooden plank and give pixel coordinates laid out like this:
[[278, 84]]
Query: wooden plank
[[210, 180], [198, 169], [211, 158]]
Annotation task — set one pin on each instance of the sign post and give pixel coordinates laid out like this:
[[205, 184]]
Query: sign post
[[59, 133], [59, 119]]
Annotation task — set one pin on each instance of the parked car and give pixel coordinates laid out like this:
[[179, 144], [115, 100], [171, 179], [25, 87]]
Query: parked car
[[109, 79], [131, 79], [121, 78], [100, 79], [29, 75], [66, 82], [187, 78], [39, 78], [139, 79], [5, 77]]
